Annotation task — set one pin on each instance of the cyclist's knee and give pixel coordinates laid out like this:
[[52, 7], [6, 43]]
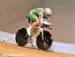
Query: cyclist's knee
[[36, 23]]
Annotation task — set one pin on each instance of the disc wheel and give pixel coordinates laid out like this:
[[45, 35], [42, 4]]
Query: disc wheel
[[44, 43], [21, 38]]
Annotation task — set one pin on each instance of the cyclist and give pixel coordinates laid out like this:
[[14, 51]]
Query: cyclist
[[38, 16]]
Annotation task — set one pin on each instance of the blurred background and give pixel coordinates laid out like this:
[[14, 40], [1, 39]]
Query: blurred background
[[13, 12]]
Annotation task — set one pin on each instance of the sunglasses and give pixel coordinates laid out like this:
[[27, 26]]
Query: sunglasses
[[48, 15]]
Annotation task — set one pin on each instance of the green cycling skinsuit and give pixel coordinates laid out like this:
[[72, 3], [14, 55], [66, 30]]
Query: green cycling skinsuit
[[34, 14]]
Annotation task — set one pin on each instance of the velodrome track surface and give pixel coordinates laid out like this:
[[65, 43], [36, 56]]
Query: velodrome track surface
[[7, 49], [12, 17]]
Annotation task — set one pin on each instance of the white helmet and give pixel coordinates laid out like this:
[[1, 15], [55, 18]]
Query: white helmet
[[48, 11]]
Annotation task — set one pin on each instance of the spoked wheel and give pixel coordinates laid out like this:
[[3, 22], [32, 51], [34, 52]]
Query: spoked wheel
[[21, 38], [44, 43]]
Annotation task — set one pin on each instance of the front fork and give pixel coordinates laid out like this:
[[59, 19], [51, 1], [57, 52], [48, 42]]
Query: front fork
[[42, 29]]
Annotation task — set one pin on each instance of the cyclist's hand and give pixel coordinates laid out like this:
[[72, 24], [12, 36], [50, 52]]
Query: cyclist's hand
[[51, 24]]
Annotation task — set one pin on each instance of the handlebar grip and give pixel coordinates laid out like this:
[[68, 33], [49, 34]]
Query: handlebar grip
[[45, 25]]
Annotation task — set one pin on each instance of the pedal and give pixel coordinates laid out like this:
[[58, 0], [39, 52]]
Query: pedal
[[31, 41]]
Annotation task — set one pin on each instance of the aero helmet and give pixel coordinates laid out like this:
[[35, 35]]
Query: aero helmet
[[48, 11]]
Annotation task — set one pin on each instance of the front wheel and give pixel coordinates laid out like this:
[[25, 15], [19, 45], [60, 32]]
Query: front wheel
[[44, 43]]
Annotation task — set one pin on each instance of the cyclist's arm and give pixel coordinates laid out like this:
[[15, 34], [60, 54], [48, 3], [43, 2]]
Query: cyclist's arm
[[41, 18]]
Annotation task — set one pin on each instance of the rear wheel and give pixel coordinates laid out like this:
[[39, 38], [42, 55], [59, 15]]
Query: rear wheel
[[46, 42], [21, 38]]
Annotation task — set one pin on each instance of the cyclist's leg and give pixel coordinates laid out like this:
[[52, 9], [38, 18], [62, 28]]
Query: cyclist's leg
[[35, 22]]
